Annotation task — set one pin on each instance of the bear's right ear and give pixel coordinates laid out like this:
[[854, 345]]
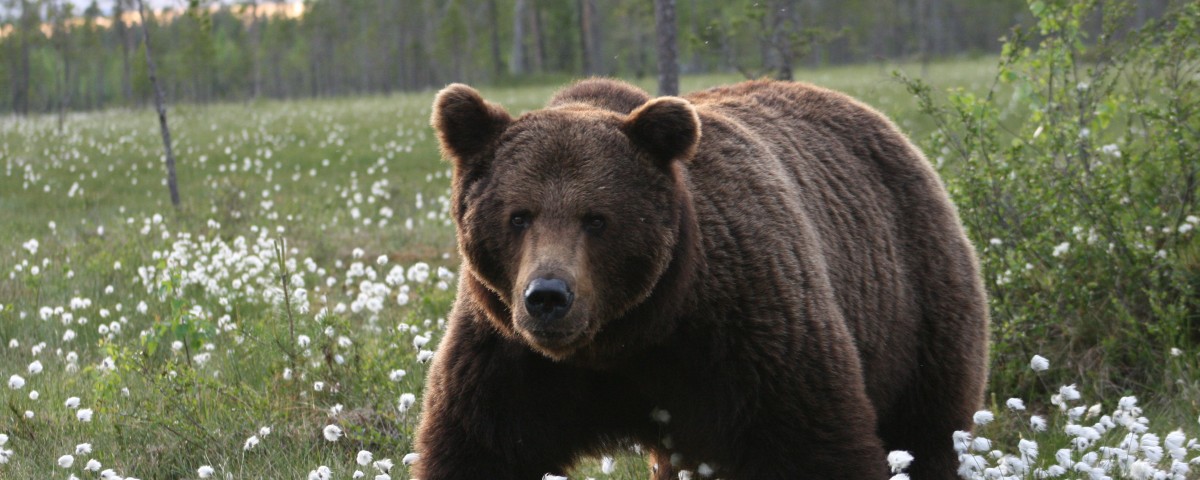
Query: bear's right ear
[[465, 123], [667, 128]]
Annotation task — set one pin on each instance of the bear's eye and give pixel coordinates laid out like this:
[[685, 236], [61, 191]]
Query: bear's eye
[[593, 223], [520, 220]]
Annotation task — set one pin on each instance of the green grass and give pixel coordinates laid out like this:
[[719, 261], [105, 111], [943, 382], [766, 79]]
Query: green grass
[[317, 174]]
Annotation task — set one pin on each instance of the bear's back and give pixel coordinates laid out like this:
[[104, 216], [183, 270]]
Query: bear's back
[[814, 180]]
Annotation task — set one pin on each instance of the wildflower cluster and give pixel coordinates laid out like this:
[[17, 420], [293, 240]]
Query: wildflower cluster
[[1077, 442]]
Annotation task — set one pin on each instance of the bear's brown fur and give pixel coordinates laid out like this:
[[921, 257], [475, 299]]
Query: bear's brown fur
[[773, 265]]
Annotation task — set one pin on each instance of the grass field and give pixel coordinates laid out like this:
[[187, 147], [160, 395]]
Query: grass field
[[301, 285]]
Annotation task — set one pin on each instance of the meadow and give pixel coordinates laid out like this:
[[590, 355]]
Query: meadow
[[279, 324]]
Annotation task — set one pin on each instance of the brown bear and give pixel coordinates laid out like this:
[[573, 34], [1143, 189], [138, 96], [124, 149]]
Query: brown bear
[[760, 281]]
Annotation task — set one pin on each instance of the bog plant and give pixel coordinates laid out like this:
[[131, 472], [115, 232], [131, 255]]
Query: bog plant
[[1076, 175], [1072, 441]]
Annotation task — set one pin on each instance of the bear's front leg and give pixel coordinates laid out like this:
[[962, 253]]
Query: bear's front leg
[[493, 409]]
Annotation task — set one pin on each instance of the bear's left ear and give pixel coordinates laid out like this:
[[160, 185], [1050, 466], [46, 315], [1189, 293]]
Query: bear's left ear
[[466, 124], [667, 128]]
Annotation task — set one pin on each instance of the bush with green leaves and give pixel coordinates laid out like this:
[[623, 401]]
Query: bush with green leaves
[[1076, 176]]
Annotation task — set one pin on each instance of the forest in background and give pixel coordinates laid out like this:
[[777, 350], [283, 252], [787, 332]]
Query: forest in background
[[54, 57]]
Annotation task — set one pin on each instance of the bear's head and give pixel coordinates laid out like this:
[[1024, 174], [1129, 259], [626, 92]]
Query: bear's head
[[568, 217]]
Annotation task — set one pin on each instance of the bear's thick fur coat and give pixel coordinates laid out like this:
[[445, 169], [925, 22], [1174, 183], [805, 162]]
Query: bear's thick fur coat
[[771, 268]]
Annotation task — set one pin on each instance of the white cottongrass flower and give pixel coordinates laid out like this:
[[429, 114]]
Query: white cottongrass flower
[[900, 476], [406, 401], [84, 414], [1039, 363], [363, 458], [983, 417], [962, 441], [1015, 404], [424, 356], [72, 402], [358, 474], [660, 416], [385, 465], [15, 382], [1069, 392], [35, 367], [1175, 443], [410, 458], [549, 476], [969, 466], [1037, 423], [250, 443], [419, 272], [92, 465], [264, 431], [332, 433], [1061, 249], [66, 461], [83, 449], [1063, 457], [1028, 449], [1140, 470], [607, 465], [31, 246], [383, 476], [396, 375], [899, 460]]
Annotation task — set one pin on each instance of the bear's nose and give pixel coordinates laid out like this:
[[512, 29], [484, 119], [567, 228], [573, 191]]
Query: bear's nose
[[548, 299]]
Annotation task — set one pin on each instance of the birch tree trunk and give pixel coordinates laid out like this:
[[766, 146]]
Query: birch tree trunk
[[161, 108], [668, 65]]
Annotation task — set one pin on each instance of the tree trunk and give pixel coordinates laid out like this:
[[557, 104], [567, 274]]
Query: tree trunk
[[782, 13], [255, 53], [494, 20], [539, 41], [123, 33], [585, 51], [589, 37], [65, 100], [922, 27], [668, 65], [159, 104], [519, 63], [26, 24]]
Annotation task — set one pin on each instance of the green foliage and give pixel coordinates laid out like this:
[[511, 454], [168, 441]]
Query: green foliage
[[1076, 176]]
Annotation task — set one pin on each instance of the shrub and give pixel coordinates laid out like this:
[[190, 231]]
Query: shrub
[[1076, 175]]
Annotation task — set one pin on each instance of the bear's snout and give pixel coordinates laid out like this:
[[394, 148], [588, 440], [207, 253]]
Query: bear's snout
[[548, 300]]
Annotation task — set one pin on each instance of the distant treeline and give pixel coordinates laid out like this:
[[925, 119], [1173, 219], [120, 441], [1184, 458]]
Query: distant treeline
[[54, 58]]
